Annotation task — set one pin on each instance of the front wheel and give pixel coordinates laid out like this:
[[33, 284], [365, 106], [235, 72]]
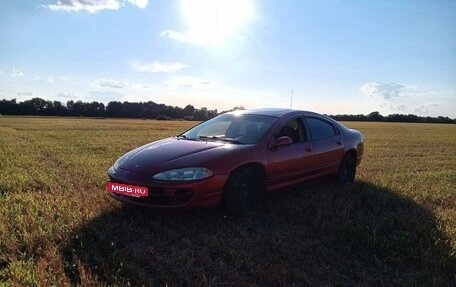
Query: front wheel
[[240, 191], [347, 169]]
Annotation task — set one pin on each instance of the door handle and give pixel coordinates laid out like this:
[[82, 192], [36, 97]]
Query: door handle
[[308, 148], [339, 142]]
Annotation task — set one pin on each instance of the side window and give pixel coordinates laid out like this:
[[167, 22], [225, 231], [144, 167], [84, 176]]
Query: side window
[[295, 130], [320, 129]]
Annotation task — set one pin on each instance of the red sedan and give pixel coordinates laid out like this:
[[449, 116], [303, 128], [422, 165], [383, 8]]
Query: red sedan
[[235, 159]]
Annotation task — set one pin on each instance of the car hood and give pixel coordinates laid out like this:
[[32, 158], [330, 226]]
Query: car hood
[[150, 157]]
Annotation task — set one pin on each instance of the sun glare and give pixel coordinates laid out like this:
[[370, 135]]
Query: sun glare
[[212, 22]]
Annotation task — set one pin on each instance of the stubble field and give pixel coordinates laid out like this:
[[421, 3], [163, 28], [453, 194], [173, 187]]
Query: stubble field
[[395, 226]]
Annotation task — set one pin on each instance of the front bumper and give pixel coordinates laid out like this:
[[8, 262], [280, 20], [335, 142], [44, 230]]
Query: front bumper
[[202, 193]]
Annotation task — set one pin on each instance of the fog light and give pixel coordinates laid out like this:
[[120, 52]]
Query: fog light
[[183, 195]]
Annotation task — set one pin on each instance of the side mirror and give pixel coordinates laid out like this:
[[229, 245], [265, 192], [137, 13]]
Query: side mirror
[[282, 141]]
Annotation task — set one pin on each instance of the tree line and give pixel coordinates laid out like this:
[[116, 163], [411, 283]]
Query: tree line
[[409, 118], [152, 110]]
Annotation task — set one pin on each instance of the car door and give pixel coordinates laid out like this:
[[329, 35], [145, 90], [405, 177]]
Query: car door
[[292, 163], [327, 145]]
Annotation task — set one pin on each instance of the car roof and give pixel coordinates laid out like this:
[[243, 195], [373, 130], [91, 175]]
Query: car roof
[[274, 112]]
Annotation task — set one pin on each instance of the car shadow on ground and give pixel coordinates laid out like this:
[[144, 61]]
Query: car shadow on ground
[[323, 234]]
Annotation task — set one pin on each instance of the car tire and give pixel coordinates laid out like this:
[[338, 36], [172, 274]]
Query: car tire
[[240, 191], [347, 169]]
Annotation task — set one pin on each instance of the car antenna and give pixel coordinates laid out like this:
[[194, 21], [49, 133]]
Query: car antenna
[[291, 101]]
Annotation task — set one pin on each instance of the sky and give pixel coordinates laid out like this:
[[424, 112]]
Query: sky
[[333, 57]]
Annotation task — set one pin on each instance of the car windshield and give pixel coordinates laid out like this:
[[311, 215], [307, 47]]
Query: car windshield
[[240, 129]]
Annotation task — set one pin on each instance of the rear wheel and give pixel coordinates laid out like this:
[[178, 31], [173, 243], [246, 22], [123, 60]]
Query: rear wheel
[[347, 169], [241, 191]]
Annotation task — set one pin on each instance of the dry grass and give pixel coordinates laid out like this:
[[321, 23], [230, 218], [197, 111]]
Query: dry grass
[[395, 226]]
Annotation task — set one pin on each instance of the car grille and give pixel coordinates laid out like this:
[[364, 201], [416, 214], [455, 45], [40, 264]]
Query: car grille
[[158, 196]]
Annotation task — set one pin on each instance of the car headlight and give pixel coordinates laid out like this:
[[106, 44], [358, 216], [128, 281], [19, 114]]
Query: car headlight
[[183, 174]]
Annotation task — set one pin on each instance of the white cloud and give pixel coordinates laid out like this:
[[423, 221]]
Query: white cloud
[[424, 109], [25, 94], [387, 91], [90, 6], [188, 82], [175, 35], [108, 83], [140, 86], [139, 3], [50, 79], [105, 96], [157, 67], [17, 73], [400, 107], [383, 96], [64, 95], [390, 98], [93, 6]]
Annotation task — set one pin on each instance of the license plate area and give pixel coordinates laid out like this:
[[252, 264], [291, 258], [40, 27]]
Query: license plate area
[[127, 189]]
